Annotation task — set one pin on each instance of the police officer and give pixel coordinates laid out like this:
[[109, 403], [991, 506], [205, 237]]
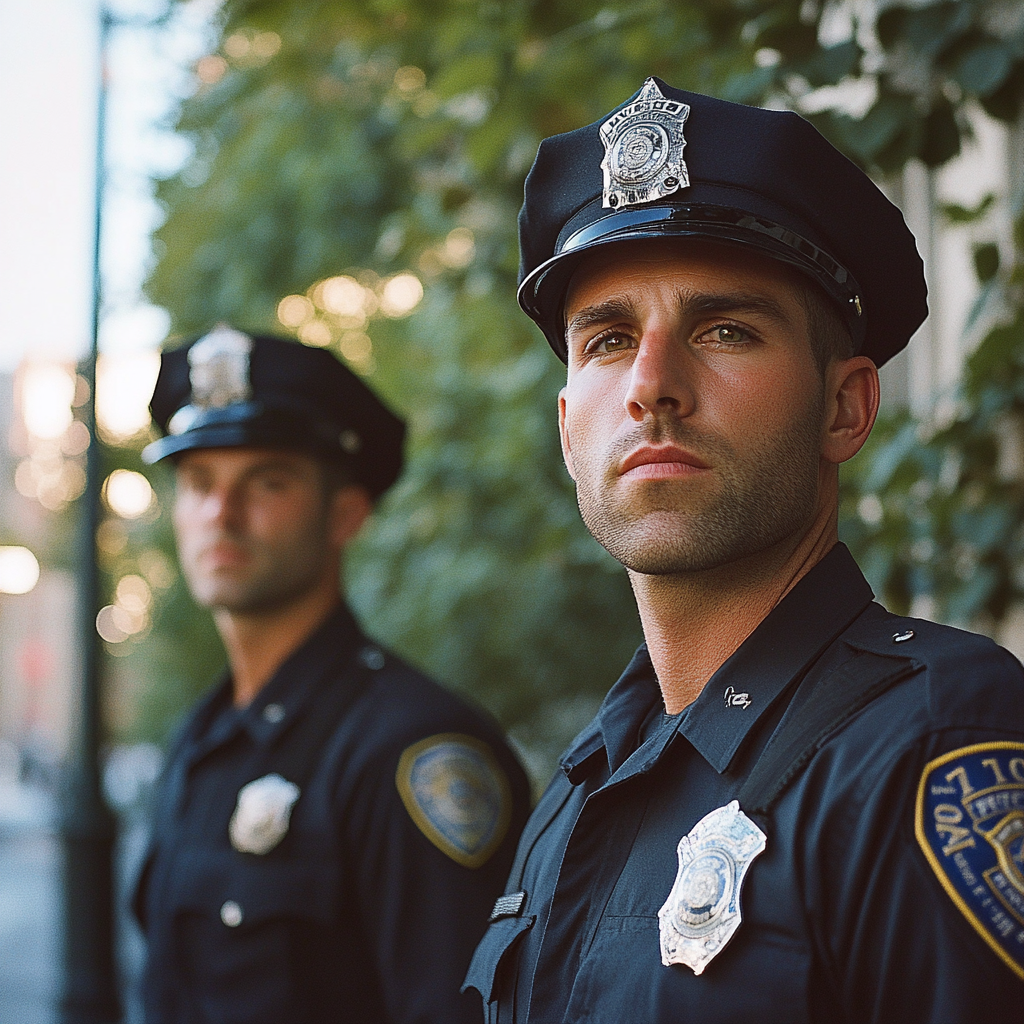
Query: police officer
[[332, 827], [793, 805]]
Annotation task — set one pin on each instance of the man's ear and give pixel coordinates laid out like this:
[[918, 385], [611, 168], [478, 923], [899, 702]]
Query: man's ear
[[852, 396], [350, 507], [563, 434]]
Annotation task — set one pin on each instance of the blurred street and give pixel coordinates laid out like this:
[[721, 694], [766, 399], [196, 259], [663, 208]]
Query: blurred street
[[30, 945], [29, 907]]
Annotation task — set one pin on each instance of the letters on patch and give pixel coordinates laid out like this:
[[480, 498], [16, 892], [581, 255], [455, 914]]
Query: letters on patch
[[969, 822], [457, 794]]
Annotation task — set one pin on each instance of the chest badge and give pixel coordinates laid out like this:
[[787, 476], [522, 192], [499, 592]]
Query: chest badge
[[262, 814], [702, 911]]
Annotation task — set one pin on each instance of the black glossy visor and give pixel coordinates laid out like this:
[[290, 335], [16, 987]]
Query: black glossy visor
[[542, 293]]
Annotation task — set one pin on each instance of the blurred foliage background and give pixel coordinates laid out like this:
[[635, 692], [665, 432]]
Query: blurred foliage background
[[346, 154]]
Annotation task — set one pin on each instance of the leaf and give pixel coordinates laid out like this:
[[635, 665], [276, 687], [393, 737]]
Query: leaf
[[986, 261], [1005, 102], [886, 119], [983, 68], [888, 459], [957, 214], [830, 65], [941, 136]]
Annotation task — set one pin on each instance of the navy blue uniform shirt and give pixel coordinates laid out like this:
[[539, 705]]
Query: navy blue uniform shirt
[[369, 904], [881, 895]]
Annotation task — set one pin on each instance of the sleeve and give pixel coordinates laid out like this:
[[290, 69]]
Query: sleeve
[[919, 889], [433, 827]]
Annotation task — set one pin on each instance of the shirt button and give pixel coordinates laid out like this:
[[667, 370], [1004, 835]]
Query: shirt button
[[273, 713], [231, 914], [372, 657]]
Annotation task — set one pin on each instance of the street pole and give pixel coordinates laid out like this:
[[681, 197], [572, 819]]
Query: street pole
[[90, 990]]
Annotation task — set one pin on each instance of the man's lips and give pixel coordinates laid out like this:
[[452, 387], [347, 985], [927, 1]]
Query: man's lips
[[660, 463], [224, 556]]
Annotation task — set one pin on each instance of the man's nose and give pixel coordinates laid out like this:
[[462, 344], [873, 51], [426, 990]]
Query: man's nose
[[220, 506], [662, 377]]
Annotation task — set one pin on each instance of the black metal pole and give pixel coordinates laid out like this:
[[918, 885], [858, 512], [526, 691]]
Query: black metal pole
[[90, 991]]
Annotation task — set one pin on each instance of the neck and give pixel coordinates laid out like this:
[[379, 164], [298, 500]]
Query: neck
[[259, 642], [694, 622]]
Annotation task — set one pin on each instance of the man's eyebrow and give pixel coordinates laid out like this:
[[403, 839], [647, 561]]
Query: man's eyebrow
[[703, 304], [601, 313], [734, 302]]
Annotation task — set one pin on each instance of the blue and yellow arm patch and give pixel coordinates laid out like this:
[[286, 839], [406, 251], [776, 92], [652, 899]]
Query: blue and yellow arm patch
[[969, 822], [457, 794]]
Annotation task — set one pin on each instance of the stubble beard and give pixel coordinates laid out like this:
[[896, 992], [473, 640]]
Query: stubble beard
[[278, 577], [754, 499]]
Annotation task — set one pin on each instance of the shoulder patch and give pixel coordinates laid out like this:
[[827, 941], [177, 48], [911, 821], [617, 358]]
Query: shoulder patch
[[458, 795], [969, 822]]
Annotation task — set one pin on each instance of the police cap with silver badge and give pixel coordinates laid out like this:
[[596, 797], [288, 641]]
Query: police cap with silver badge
[[228, 389], [670, 163]]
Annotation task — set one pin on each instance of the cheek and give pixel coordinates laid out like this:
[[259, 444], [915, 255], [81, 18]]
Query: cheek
[[763, 398], [591, 412]]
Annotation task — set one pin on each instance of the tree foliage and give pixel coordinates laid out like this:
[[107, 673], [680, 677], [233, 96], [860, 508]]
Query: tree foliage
[[374, 138]]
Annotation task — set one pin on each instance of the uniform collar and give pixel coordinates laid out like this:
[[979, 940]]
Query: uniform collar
[[785, 644], [279, 702], [275, 707]]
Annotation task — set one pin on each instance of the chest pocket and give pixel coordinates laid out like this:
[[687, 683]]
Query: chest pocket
[[495, 957], [252, 934]]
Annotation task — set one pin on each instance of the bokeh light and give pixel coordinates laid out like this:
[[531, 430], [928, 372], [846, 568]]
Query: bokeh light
[[342, 295], [401, 295], [128, 494], [459, 248], [124, 384], [316, 333], [294, 310], [409, 79], [19, 570], [47, 391]]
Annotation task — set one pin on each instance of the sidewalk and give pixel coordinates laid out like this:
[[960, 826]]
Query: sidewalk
[[29, 907], [30, 910]]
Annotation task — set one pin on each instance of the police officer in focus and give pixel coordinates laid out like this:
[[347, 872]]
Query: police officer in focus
[[332, 827], [793, 805]]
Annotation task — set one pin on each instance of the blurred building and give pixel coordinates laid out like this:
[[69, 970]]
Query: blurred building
[[985, 179], [40, 473]]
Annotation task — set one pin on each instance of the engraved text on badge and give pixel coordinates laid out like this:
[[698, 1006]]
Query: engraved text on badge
[[643, 149]]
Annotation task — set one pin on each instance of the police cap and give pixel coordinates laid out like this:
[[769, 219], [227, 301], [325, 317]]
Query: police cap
[[669, 163], [228, 389]]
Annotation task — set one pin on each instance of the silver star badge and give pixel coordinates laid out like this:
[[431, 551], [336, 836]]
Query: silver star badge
[[643, 149], [262, 815], [702, 911]]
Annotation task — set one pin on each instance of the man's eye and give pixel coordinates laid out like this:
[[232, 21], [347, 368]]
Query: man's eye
[[727, 334], [610, 342]]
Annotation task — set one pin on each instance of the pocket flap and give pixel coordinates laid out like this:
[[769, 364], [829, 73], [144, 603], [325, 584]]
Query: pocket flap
[[498, 940], [262, 889]]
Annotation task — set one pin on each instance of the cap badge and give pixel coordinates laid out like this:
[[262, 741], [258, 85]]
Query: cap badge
[[643, 149], [219, 368], [218, 375], [262, 814], [702, 911]]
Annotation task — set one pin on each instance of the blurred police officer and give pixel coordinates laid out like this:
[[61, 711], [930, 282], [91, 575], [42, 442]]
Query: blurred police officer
[[333, 827], [793, 805]]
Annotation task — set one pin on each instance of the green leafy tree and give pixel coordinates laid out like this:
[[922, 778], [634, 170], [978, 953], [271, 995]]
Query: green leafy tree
[[364, 141]]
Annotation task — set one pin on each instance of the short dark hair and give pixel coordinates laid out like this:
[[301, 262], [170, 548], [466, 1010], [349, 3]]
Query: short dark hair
[[829, 335]]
